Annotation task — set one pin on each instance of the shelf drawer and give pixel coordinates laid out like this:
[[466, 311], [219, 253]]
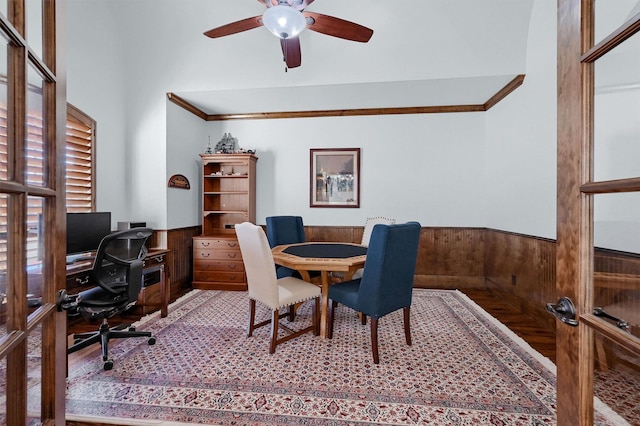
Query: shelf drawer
[[219, 276], [154, 260], [215, 243], [78, 282], [218, 265], [203, 255], [204, 285]]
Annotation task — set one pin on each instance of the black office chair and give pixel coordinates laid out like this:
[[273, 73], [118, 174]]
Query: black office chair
[[117, 279]]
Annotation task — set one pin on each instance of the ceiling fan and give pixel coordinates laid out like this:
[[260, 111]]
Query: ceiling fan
[[286, 19]]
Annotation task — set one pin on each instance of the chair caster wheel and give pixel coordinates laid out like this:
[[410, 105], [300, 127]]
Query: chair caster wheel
[[132, 328], [151, 341], [108, 365]]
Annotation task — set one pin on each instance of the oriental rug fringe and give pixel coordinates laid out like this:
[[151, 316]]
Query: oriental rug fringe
[[463, 368]]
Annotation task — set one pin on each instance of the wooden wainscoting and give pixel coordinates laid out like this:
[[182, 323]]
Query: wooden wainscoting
[[451, 258], [447, 257], [523, 269], [343, 234], [520, 268], [179, 242]]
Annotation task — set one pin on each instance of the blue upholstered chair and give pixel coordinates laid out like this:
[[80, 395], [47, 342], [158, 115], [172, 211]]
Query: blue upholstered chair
[[285, 230], [387, 282]]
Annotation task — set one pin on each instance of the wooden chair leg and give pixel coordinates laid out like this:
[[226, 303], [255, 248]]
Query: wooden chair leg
[[274, 331], [252, 316], [374, 340], [407, 325], [363, 318], [332, 307], [316, 317], [292, 313]]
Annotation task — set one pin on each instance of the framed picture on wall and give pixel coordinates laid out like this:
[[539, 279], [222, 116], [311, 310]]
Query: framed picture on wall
[[335, 177]]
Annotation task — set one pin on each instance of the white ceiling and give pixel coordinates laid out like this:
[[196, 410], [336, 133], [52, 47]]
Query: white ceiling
[[395, 94], [423, 53]]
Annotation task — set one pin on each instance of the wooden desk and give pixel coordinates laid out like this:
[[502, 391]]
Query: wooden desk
[[152, 296], [347, 265]]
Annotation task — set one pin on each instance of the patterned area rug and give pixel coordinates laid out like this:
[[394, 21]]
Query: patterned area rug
[[463, 368]]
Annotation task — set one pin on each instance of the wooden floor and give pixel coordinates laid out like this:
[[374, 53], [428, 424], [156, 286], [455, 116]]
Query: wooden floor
[[539, 337]]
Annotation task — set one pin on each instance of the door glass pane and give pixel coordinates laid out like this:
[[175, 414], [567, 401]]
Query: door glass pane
[[35, 250], [3, 391], [36, 171], [616, 280], [617, 112], [616, 300], [34, 376], [610, 15], [4, 267], [617, 378], [34, 26], [4, 163]]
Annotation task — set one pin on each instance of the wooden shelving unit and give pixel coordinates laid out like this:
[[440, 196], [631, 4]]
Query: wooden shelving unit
[[228, 198]]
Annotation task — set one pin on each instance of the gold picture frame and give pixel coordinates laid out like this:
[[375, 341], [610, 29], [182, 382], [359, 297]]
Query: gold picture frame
[[335, 177]]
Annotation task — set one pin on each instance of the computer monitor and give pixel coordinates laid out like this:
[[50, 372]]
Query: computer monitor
[[85, 231]]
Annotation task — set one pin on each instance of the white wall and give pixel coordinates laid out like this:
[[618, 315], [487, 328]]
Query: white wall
[[187, 136], [125, 56], [413, 167], [96, 85], [520, 153]]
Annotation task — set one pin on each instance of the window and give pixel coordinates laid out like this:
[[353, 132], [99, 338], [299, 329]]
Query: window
[[80, 173]]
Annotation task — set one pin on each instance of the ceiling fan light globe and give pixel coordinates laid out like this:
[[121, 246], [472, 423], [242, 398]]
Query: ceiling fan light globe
[[284, 21]]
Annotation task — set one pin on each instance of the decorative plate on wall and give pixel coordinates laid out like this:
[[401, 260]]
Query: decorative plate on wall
[[179, 181]]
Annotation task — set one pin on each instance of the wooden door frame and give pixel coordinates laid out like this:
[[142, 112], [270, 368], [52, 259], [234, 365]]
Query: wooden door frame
[[20, 323], [574, 263]]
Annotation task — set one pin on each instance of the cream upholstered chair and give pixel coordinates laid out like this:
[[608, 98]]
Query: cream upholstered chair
[[366, 234], [370, 223], [274, 293]]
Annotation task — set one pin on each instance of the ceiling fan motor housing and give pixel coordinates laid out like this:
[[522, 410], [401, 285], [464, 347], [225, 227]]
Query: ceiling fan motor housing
[[284, 21]]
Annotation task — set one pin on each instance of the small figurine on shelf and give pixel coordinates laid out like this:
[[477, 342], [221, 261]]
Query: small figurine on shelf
[[208, 150], [227, 144]]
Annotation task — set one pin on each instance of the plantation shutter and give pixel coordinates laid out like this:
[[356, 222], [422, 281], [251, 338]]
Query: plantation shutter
[[80, 162], [79, 175], [35, 177], [4, 160]]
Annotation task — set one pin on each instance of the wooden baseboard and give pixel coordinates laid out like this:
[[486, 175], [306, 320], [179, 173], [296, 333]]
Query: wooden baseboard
[[448, 282]]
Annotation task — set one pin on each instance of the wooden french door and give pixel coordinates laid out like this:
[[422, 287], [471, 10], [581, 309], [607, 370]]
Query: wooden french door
[[598, 199], [32, 229]]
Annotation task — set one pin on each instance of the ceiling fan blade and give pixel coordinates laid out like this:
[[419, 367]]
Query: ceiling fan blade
[[269, 3], [291, 52], [235, 27], [337, 27]]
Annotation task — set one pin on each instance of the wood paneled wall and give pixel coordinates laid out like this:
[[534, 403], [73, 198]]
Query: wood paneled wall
[[179, 260], [520, 267], [447, 257], [523, 269]]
